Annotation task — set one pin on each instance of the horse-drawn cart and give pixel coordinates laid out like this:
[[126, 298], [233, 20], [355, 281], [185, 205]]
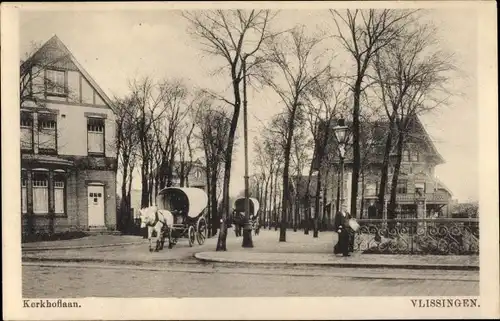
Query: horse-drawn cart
[[187, 206], [239, 214]]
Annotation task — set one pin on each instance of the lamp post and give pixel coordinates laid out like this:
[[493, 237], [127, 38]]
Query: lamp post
[[247, 228], [341, 135]]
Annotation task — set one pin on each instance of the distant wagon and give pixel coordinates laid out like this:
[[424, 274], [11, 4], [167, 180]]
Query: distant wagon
[[239, 214], [187, 206]]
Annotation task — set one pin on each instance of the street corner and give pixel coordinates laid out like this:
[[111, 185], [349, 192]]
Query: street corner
[[312, 259]]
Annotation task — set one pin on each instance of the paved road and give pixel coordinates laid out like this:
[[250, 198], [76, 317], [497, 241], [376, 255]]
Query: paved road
[[83, 280]]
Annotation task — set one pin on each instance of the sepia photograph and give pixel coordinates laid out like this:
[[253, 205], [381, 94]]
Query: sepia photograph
[[257, 151]]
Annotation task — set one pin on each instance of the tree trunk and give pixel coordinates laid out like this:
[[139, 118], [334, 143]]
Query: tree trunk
[[213, 196], [144, 186], [395, 176], [270, 214], [123, 203], [182, 174], [362, 205], [307, 216], [275, 207], [286, 192], [356, 147], [221, 241], [384, 173], [265, 201], [317, 204]]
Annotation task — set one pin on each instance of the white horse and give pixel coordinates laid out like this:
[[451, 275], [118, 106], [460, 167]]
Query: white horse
[[158, 221]]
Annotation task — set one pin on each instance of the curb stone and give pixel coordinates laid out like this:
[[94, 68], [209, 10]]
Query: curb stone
[[76, 247], [97, 260], [425, 266]]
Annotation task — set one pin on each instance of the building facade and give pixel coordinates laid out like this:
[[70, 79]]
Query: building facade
[[68, 156], [416, 183]]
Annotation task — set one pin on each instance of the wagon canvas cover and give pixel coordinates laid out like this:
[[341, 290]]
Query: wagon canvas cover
[[182, 200], [239, 205]]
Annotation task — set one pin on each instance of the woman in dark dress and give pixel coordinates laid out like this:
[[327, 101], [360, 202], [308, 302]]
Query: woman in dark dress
[[341, 226]]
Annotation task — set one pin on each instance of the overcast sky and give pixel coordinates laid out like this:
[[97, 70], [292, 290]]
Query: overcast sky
[[115, 46]]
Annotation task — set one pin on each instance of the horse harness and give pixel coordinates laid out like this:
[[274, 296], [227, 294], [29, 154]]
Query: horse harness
[[157, 219]]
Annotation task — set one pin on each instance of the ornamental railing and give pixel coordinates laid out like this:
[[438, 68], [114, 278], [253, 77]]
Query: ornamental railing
[[418, 236]]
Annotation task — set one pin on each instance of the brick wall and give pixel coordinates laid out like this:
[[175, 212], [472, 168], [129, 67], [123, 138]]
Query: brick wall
[[76, 203], [108, 178]]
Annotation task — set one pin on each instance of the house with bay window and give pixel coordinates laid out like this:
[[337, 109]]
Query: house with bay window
[[417, 179], [68, 159]]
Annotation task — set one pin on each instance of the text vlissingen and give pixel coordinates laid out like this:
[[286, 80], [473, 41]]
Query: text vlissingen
[[445, 303]]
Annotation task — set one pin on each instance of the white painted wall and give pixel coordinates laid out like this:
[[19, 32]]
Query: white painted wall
[[72, 129]]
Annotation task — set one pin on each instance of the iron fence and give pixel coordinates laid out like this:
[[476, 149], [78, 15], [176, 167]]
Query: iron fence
[[418, 236]]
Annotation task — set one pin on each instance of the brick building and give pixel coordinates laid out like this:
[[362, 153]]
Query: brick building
[[68, 159], [420, 158]]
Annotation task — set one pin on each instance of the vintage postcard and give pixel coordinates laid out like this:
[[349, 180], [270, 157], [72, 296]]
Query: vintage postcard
[[250, 160]]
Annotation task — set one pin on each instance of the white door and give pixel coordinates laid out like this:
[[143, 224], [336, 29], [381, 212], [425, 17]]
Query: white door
[[95, 195]]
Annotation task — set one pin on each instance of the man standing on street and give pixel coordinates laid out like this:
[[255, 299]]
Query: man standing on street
[[341, 226]]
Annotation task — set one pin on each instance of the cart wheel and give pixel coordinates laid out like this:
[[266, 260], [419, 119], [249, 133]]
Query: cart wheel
[[191, 235], [201, 230]]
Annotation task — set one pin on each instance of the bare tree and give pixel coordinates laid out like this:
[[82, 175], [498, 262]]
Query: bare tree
[[301, 154], [363, 33], [234, 36], [126, 140], [152, 101], [263, 167], [213, 128], [413, 74], [170, 140], [295, 57], [326, 104]]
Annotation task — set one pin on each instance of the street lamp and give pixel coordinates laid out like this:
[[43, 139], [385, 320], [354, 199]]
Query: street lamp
[[247, 227], [341, 134]]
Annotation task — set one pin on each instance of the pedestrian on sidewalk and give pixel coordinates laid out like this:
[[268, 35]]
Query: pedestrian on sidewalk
[[341, 226]]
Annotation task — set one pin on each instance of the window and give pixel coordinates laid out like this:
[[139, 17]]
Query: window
[[59, 194], [24, 192], [401, 187], [406, 156], [95, 135], [371, 189], [55, 82], [414, 156], [26, 131], [40, 193], [47, 133]]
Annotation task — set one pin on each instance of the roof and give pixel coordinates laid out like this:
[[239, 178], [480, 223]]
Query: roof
[[56, 49], [45, 160], [441, 185], [376, 131]]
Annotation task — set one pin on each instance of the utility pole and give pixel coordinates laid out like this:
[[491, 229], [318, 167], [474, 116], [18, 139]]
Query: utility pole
[[247, 228]]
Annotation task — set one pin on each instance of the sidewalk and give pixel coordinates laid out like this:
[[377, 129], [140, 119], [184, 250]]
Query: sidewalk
[[91, 241], [300, 249]]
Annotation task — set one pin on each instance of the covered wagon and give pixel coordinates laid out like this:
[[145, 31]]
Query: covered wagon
[[239, 214], [187, 206]]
